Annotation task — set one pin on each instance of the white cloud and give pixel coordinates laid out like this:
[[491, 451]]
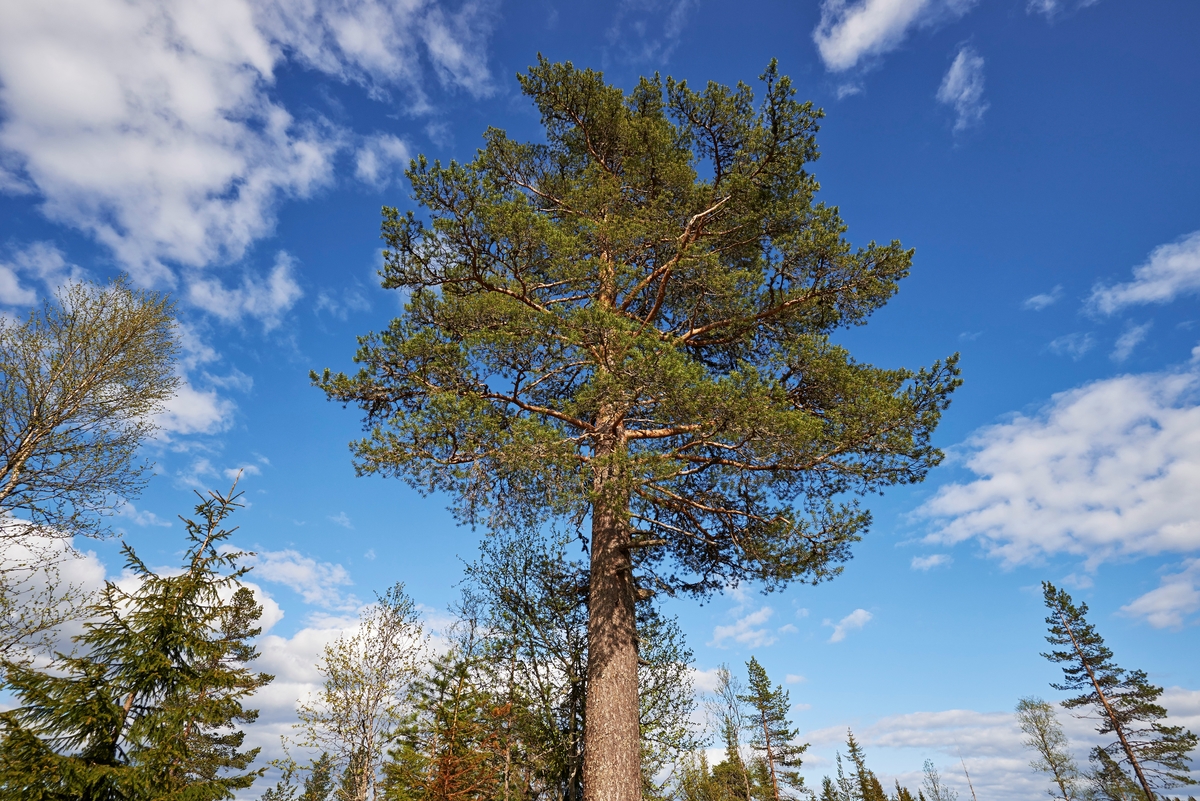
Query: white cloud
[[649, 30], [316, 582], [38, 261], [793, 678], [962, 88], [264, 299], [1177, 596], [380, 44], [851, 622], [1130, 339], [927, 563], [1170, 271], [341, 519], [748, 630], [194, 411], [1106, 470], [242, 470], [152, 124], [140, 517], [376, 160], [1074, 345], [1052, 8], [851, 32], [1041, 301]]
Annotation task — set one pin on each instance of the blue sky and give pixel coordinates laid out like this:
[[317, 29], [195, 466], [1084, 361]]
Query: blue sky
[[1040, 155]]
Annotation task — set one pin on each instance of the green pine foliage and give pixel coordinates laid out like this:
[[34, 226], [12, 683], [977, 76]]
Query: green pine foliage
[[1123, 701], [772, 738], [450, 749], [861, 784], [152, 705]]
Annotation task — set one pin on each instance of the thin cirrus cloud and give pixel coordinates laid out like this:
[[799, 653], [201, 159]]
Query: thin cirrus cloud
[[927, 563], [1171, 270], [850, 34], [851, 622], [151, 125], [962, 89], [266, 298], [1050, 9], [1043, 300], [1104, 471], [1130, 338]]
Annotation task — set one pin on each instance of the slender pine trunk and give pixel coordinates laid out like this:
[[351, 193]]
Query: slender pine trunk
[[1108, 710], [612, 739]]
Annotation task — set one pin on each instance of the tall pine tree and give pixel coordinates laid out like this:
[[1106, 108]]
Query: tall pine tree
[[152, 708], [1124, 701], [630, 324]]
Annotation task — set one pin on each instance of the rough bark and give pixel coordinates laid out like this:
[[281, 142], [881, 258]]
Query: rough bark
[[612, 751]]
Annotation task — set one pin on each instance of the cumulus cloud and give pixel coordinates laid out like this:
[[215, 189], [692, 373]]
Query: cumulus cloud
[[927, 563], [1177, 596], [749, 630], [851, 622], [1106, 470], [376, 160], [267, 298], [195, 411], [962, 88], [318, 583], [1170, 271], [152, 125], [1129, 339], [851, 32], [1043, 300]]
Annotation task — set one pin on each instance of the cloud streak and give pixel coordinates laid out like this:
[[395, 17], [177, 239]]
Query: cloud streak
[[962, 88], [1172, 270], [851, 33]]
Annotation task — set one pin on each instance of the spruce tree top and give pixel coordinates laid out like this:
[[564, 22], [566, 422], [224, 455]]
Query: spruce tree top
[[636, 312]]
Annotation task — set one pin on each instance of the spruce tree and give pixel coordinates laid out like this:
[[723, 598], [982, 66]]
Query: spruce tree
[[152, 706], [629, 324], [1124, 701], [771, 734]]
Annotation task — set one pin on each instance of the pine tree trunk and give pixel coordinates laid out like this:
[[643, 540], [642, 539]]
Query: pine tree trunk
[[612, 738]]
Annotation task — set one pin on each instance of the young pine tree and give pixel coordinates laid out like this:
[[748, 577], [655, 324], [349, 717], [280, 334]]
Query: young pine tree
[[450, 750], [629, 323], [152, 707], [1124, 702], [772, 737]]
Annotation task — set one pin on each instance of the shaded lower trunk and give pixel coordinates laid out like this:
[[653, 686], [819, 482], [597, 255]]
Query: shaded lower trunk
[[612, 739]]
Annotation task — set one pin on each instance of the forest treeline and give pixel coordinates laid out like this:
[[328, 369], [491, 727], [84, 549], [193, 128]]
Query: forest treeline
[[153, 703]]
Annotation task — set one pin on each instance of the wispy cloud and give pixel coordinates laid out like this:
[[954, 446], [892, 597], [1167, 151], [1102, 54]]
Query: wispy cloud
[[851, 33], [962, 88], [927, 563], [266, 299], [318, 583], [851, 622], [1043, 300], [1177, 596], [377, 160], [1171, 270], [1074, 345], [1051, 9], [649, 30], [749, 630], [1130, 339], [341, 519]]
